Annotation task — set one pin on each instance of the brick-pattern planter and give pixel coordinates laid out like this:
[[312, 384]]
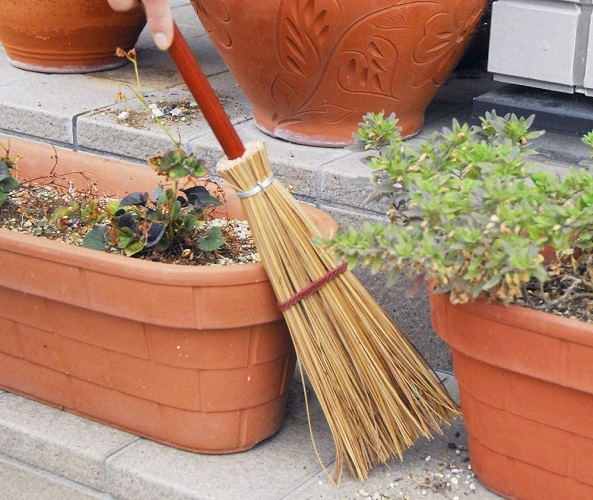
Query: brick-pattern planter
[[195, 357], [526, 389]]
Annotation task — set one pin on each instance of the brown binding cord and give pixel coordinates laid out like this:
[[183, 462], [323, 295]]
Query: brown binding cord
[[312, 287]]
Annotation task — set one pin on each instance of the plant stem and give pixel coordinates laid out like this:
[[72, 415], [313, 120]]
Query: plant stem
[[139, 94]]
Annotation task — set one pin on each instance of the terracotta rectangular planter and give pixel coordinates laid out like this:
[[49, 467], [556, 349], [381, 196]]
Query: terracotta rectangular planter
[[195, 357], [526, 387]]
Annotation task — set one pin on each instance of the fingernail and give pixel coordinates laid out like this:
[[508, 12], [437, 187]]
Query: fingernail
[[162, 41]]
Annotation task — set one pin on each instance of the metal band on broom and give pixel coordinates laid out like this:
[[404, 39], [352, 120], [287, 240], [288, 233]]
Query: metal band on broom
[[377, 393]]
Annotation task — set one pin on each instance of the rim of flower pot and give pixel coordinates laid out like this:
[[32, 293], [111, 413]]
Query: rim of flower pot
[[140, 270], [518, 316]]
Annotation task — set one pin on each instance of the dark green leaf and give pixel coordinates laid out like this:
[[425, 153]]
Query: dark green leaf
[[200, 197], [4, 172], [190, 222], [8, 185], [154, 234], [137, 198], [95, 239], [177, 172], [127, 221], [213, 241]]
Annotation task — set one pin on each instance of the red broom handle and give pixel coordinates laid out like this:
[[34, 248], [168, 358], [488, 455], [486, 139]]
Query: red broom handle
[[200, 87]]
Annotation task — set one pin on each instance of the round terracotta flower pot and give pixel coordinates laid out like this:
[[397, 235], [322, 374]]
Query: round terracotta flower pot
[[313, 68], [198, 357], [526, 388], [65, 36]]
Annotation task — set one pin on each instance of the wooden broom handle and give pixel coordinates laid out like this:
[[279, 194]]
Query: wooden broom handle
[[204, 94]]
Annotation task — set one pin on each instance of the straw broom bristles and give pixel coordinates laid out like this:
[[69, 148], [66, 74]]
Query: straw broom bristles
[[376, 392]]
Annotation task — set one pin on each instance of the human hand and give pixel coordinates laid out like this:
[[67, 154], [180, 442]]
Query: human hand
[[158, 15]]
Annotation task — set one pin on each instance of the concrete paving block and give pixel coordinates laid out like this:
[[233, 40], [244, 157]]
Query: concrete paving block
[[140, 137], [10, 74], [34, 107], [99, 134], [228, 92], [296, 408], [56, 441], [227, 89], [354, 219], [296, 155], [157, 70], [346, 181], [161, 473], [294, 165], [425, 473], [155, 67], [145, 40], [187, 20], [271, 470], [18, 482], [417, 475]]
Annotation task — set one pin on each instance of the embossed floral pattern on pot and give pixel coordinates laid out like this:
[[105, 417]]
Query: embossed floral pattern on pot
[[313, 68]]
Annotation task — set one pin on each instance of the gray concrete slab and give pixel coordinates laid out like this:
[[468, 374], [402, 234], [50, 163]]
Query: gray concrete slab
[[10, 74], [58, 442], [45, 105], [296, 166], [46, 454], [139, 136], [432, 469], [345, 181], [271, 470], [19, 482], [157, 70]]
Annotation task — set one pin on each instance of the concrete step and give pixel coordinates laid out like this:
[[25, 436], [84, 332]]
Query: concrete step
[[46, 453]]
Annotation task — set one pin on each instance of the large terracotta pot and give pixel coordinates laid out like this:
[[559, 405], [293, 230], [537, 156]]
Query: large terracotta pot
[[313, 68], [526, 388], [65, 36], [195, 357]]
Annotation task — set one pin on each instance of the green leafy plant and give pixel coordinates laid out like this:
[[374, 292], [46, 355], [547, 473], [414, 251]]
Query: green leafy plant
[[8, 183], [157, 222], [468, 212]]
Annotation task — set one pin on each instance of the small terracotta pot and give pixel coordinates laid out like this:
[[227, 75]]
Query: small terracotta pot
[[526, 388], [64, 36], [313, 68], [196, 357]]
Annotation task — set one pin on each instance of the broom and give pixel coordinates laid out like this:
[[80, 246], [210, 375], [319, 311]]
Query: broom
[[376, 392]]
